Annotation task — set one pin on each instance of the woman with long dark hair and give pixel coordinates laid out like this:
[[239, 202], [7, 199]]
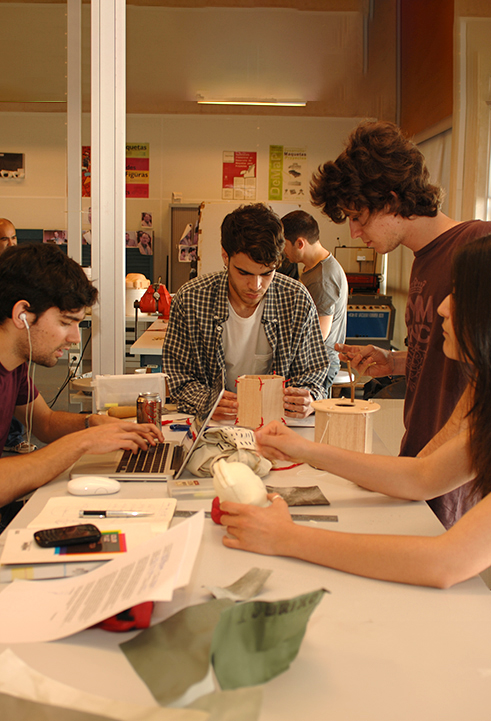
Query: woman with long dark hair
[[457, 554]]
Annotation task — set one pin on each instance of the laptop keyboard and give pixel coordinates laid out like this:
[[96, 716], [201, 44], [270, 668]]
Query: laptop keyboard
[[152, 460]]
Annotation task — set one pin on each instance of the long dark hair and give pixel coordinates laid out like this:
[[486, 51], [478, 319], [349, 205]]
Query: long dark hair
[[471, 301]]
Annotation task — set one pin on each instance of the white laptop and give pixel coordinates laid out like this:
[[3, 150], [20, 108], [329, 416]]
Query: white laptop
[[157, 463]]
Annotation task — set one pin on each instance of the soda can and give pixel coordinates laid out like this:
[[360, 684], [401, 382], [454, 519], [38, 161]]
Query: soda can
[[149, 409]]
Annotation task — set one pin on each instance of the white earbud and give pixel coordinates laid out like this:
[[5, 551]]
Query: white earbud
[[23, 318]]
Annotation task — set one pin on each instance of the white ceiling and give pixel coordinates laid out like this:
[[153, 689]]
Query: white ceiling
[[342, 62]]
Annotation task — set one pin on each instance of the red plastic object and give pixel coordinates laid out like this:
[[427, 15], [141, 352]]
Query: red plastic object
[[216, 513], [133, 618]]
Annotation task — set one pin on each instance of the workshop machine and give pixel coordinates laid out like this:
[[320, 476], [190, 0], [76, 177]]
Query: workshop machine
[[371, 315]]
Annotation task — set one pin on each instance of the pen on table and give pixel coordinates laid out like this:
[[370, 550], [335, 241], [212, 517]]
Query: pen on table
[[179, 427], [113, 514]]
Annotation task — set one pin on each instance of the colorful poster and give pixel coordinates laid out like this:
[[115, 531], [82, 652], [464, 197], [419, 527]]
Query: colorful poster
[[137, 170], [58, 237], [85, 171], [239, 175], [287, 173], [188, 245], [275, 184]]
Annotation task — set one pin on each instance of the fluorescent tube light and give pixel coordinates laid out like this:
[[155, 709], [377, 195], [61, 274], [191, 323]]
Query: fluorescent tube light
[[269, 102]]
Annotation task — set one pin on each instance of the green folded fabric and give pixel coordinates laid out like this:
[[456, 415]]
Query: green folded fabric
[[175, 654], [256, 641]]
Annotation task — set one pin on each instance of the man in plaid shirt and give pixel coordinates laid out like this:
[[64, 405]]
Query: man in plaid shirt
[[246, 319]]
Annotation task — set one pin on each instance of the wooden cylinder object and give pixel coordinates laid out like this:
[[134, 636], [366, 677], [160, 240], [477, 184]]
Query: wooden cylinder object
[[260, 400], [343, 424]]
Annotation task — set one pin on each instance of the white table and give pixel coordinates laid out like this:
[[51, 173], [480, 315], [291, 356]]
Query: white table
[[373, 651], [151, 340]]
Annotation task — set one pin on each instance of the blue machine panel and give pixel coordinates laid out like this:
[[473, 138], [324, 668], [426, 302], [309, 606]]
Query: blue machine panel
[[371, 323]]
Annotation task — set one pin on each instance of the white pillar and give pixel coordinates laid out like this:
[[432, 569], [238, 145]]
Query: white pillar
[[108, 149], [74, 128]]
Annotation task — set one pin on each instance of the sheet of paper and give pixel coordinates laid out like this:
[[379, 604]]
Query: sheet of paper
[[64, 510], [42, 571], [242, 704], [23, 682], [308, 422], [21, 548], [48, 610]]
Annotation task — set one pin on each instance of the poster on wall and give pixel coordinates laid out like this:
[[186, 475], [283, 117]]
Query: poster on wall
[[59, 237], [287, 173], [137, 170], [239, 175], [188, 245], [142, 240], [146, 220], [85, 171]]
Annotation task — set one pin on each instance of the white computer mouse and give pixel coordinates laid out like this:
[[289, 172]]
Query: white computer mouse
[[92, 486]]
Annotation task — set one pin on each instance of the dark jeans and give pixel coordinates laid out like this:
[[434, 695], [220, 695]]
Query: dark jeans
[[331, 375], [8, 512], [16, 433]]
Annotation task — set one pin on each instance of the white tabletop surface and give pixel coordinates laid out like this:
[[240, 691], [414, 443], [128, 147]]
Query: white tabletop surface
[[150, 342], [373, 650]]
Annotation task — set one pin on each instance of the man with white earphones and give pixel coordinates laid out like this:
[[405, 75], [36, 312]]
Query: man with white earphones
[[43, 298]]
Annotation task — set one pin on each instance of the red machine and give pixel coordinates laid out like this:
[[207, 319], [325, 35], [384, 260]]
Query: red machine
[[156, 299]]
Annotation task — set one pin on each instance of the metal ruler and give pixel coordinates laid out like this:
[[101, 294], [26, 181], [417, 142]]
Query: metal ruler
[[295, 516]]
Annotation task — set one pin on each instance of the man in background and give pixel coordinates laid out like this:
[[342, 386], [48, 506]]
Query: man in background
[[8, 235], [381, 185], [323, 277], [246, 319], [16, 443]]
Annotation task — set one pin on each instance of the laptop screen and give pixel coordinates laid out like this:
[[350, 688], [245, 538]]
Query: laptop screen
[[200, 421]]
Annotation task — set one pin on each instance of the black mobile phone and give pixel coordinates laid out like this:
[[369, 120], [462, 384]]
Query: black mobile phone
[[68, 535]]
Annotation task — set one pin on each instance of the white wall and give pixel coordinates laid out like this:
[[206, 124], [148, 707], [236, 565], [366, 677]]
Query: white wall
[[185, 156], [38, 200]]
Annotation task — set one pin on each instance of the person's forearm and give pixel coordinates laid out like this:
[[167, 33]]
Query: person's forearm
[[404, 559], [25, 473], [59, 424], [385, 474], [401, 477]]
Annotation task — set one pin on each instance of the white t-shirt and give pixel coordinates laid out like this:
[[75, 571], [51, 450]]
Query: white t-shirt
[[245, 345]]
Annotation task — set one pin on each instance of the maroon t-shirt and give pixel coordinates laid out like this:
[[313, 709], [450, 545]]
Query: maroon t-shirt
[[13, 392], [434, 382]]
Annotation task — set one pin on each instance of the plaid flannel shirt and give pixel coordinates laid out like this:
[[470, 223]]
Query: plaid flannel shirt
[[193, 355]]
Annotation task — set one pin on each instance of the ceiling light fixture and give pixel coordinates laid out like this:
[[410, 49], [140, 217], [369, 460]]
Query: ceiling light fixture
[[251, 101]]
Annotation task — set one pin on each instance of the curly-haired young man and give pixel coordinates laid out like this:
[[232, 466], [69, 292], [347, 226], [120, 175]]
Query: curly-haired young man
[[381, 185]]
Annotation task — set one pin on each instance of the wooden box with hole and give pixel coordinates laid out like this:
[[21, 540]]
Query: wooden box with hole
[[345, 424]]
